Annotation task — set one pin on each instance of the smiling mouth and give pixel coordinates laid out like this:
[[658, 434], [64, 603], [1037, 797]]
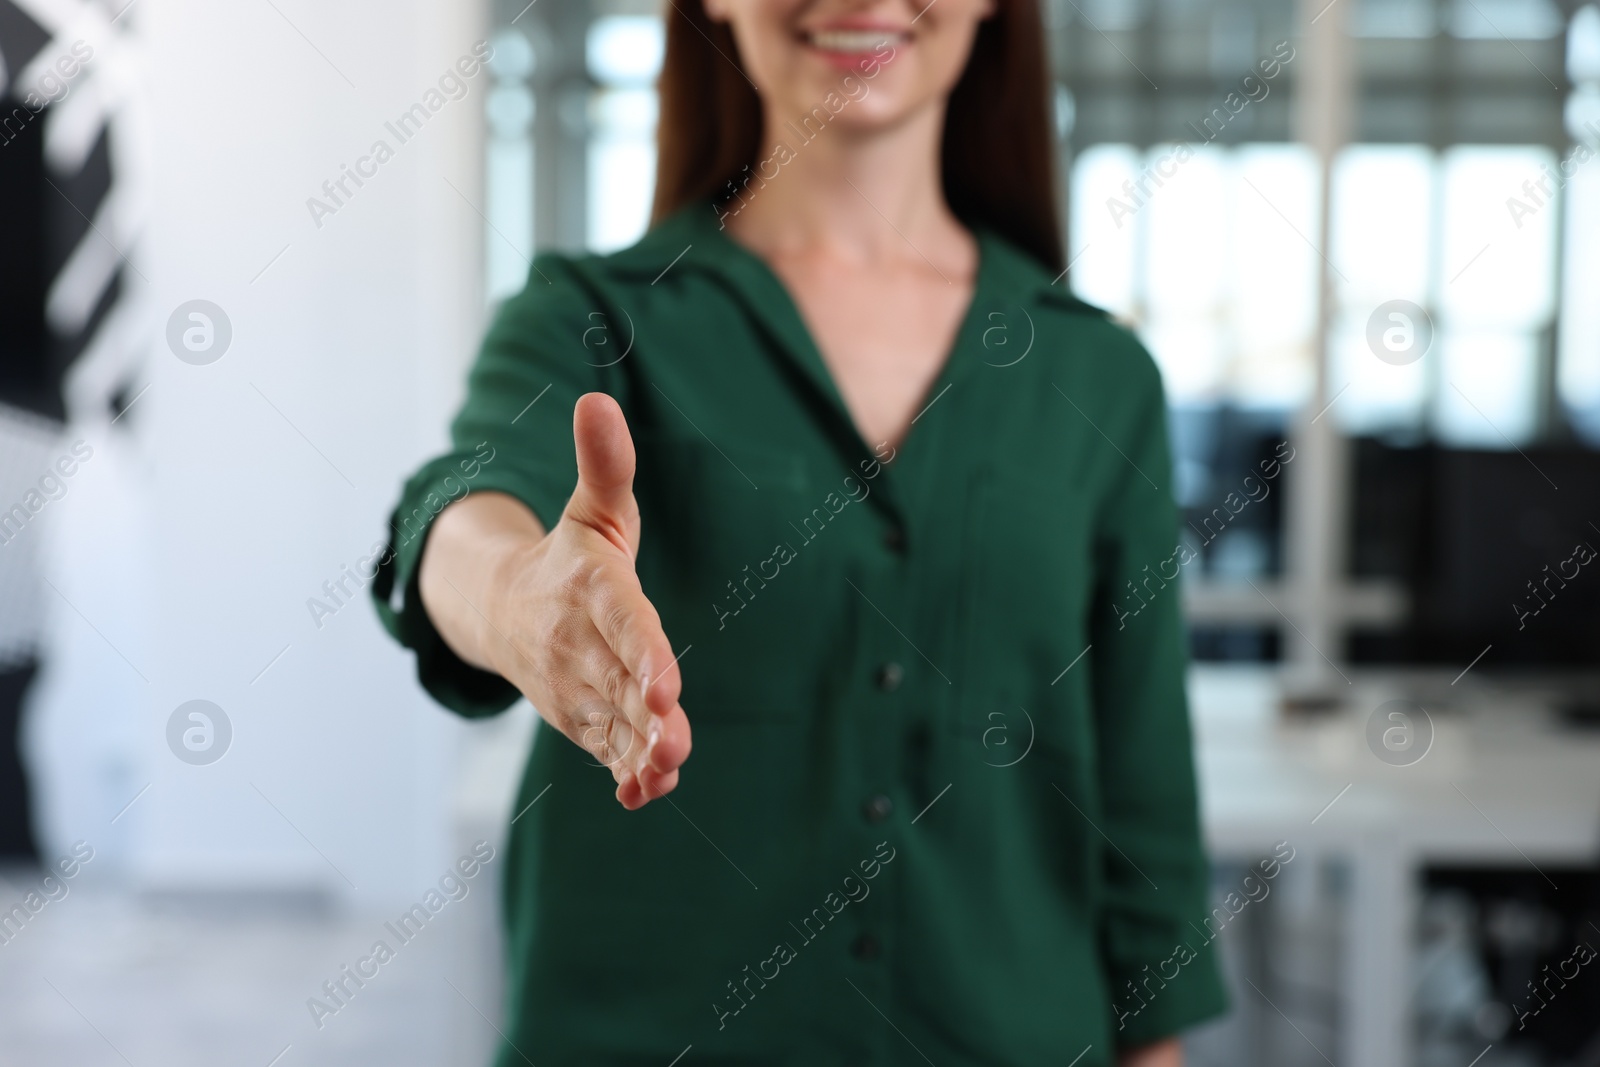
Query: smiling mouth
[[854, 42]]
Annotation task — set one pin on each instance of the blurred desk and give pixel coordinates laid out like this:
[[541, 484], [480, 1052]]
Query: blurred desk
[[1504, 783]]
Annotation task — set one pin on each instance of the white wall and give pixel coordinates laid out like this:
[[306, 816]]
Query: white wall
[[192, 543]]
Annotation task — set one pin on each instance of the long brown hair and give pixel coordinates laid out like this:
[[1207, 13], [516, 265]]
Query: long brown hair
[[998, 161]]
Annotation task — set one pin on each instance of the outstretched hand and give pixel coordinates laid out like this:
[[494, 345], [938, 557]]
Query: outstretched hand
[[587, 646]]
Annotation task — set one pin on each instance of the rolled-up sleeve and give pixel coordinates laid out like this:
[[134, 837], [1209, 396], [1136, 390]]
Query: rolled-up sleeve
[[1156, 873], [512, 435]]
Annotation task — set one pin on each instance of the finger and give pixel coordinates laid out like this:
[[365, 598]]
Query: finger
[[603, 498], [630, 794], [601, 730], [662, 686], [631, 628], [672, 745], [654, 785], [634, 790], [665, 738]]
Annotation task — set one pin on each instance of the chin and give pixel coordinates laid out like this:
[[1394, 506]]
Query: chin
[[880, 97], [872, 116]]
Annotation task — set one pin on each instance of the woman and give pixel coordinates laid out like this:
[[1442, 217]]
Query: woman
[[831, 457]]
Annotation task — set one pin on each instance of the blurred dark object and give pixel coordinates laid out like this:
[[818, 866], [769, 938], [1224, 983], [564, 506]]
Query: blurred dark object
[[16, 810], [21, 38], [1532, 942], [47, 217], [1217, 449], [48, 313], [1581, 710], [29, 378], [1216, 643], [1489, 550]]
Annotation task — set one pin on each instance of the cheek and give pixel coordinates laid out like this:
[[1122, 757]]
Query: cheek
[[770, 56], [937, 56], [953, 52]]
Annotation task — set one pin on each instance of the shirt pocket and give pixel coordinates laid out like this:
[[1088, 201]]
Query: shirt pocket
[[719, 560], [1029, 576]]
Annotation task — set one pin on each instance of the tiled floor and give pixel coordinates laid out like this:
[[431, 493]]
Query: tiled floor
[[100, 978], [104, 979]]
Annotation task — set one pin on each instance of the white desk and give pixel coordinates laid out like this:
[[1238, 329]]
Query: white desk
[[1503, 784]]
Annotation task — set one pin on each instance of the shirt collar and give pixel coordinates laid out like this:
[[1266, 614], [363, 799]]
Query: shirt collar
[[693, 240]]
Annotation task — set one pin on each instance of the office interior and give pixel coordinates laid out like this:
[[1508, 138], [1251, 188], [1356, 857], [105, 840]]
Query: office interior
[[1369, 278]]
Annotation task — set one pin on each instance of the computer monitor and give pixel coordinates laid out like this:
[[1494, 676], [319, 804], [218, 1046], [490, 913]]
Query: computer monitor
[[1497, 550]]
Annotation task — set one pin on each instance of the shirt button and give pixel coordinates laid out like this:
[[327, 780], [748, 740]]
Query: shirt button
[[866, 947], [878, 808], [894, 539], [890, 675]]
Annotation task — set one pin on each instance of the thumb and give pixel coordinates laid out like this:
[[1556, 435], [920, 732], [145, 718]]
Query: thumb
[[603, 498]]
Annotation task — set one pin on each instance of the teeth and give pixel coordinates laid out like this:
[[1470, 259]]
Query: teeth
[[851, 40]]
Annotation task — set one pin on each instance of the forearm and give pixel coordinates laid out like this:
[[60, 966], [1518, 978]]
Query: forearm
[[1167, 1053], [464, 566]]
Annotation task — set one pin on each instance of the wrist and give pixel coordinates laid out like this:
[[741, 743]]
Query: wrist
[[512, 560]]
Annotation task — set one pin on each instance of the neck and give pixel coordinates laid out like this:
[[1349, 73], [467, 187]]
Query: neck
[[870, 197]]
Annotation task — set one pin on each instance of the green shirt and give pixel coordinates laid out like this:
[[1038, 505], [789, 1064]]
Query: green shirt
[[941, 805]]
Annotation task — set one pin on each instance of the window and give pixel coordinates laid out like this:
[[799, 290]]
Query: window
[[508, 171], [624, 57], [1204, 251]]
